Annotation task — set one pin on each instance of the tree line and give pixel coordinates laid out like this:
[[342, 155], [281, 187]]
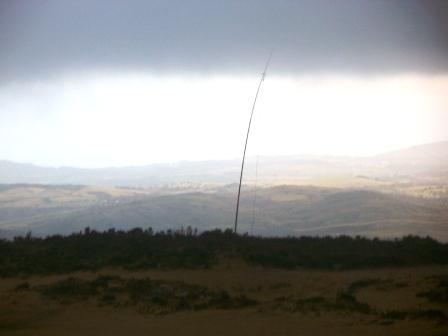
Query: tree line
[[139, 249]]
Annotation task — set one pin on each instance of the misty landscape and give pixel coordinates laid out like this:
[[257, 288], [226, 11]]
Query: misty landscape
[[390, 195], [223, 167]]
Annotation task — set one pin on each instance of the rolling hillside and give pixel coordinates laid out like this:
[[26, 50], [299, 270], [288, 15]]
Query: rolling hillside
[[390, 195], [282, 210]]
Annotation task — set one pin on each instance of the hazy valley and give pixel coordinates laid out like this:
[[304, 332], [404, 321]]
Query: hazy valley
[[390, 195]]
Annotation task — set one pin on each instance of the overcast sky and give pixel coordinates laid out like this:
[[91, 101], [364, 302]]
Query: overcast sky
[[115, 83]]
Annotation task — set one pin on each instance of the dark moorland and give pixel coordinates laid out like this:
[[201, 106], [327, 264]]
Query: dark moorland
[[217, 282], [140, 249]]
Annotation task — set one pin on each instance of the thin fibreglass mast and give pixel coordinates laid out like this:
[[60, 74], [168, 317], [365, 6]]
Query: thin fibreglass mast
[[263, 75]]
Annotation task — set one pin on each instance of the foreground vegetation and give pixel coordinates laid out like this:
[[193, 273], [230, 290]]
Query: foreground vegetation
[[231, 299], [393, 301], [159, 296], [139, 249], [165, 296]]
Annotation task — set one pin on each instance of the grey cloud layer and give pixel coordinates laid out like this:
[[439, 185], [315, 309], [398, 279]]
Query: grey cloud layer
[[41, 38]]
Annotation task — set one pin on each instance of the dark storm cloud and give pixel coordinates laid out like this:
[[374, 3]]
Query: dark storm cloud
[[41, 38]]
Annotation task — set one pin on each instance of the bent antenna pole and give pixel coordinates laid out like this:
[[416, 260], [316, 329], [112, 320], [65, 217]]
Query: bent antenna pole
[[263, 75]]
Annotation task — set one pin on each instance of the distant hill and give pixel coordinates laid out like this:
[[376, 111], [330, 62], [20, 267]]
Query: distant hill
[[429, 159], [281, 210], [389, 195], [433, 154]]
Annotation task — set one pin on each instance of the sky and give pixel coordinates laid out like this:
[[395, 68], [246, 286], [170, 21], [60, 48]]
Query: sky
[[120, 83]]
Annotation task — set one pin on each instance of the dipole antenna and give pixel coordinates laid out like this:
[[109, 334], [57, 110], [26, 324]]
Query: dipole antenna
[[263, 75]]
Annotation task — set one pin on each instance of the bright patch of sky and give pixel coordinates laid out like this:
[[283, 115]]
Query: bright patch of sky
[[122, 119]]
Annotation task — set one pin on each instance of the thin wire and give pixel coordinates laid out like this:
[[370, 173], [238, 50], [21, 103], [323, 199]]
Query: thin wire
[[255, 198], [263, 75]]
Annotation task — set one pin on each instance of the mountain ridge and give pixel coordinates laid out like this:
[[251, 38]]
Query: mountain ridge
[[426, 158]]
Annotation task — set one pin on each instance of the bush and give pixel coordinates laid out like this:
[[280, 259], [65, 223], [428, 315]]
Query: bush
[[138, 249]]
